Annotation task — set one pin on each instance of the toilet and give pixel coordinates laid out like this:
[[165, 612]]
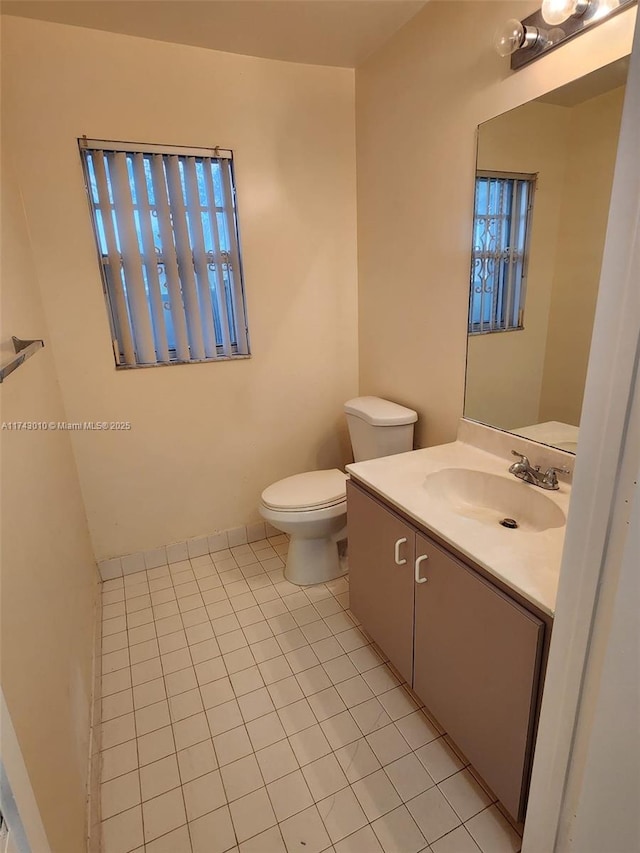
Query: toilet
[[312, 507]]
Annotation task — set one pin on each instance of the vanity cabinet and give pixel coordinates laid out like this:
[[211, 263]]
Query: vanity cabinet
[[470, 652]]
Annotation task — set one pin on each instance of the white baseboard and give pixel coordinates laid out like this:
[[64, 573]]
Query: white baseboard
[[173, 553]]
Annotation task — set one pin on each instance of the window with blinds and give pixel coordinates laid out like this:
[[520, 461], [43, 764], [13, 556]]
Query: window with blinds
[[502, 219], [166, 231]]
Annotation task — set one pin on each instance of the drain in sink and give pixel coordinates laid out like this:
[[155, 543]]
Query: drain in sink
[[511, 523]]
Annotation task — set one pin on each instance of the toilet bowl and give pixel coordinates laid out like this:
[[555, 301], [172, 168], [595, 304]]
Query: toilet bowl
[[312, 507]]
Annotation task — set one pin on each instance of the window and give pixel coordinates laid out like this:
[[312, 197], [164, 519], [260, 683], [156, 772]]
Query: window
[[499, 257], [167, 237]]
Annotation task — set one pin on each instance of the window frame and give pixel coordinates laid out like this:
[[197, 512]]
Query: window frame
[[233, 290], [531, 180]]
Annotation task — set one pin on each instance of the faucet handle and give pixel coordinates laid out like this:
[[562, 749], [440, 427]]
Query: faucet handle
[[550, 472], [550, 475], [521, 469]]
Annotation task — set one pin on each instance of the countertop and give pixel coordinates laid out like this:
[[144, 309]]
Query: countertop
[[527, 561], [555, 433]]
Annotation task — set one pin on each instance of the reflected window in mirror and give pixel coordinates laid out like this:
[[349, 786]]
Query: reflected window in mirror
[[502, 224]]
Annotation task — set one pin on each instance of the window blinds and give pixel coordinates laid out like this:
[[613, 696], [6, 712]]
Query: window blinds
[[166, 231]]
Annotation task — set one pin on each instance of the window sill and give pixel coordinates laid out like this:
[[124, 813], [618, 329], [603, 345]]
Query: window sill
[[175, 362], [475, 332]]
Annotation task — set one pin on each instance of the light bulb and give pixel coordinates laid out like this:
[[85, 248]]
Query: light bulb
[[557, 12], [513, 35], [604, 8], [555, 36], [509, 38]]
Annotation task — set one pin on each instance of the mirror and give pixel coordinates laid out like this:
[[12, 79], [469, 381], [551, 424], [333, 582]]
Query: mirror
[[543, 186]]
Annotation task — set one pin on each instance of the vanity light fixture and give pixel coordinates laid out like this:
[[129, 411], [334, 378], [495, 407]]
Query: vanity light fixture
[[555, 23]]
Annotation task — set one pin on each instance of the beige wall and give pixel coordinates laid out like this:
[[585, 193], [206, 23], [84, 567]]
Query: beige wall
[[206, 438], [504, 370], [591, 157], [48, 575], [419, 101]]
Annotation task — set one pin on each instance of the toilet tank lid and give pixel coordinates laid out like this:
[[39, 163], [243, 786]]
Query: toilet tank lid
[[379, 412]]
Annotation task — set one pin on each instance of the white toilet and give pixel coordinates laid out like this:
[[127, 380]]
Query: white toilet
[[312, 507]]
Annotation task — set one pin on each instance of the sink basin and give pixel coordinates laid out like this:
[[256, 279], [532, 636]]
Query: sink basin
[[490, 498]]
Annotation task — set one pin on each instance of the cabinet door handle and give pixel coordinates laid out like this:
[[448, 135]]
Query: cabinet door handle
[[396, 552], [420, 560]]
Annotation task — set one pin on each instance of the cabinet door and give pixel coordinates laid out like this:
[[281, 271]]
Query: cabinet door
[[476, 668], [380, 590]]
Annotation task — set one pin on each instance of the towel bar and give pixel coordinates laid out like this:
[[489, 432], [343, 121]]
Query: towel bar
[[24, 350]]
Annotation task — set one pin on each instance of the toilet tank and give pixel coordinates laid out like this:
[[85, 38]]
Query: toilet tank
[[378, 427]]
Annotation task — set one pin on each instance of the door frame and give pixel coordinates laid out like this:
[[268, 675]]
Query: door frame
[[607, 464], [17, 800]]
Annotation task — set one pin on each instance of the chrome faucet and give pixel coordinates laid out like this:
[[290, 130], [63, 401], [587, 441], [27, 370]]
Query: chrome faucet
[[523, 471]]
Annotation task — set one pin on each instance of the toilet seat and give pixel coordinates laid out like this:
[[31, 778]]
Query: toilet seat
[[306, 492]]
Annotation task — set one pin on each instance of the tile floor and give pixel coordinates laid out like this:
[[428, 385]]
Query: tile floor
[[242, 713]]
